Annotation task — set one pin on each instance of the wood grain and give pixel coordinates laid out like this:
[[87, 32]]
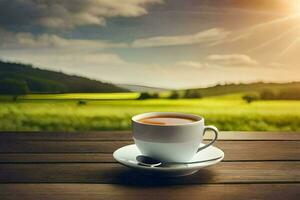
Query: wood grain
[[234, 150], [224, 172], [126, 135], [62, 166], [119, 192], [56, 158]]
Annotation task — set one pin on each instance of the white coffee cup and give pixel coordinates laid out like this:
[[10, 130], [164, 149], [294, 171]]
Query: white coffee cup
[[170, 143]]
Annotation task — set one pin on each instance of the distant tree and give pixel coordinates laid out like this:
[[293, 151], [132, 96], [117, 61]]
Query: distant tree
[[292, 93], [174, 95], [267, 94], [146, 95], [154, 95], [13, 87], [192, 94], [81, 103], [250, 97]]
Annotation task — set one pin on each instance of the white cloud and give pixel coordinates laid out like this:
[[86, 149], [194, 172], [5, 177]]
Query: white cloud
[[69, 13], [232, 60], [57, 53], [66, 59], [208, 36], [112, 68], [190, 64], [28, 41]]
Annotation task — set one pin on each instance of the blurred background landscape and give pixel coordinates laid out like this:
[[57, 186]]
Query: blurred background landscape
[[39, 100], [92, 65]]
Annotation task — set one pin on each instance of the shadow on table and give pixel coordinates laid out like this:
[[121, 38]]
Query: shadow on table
[[134, 178]]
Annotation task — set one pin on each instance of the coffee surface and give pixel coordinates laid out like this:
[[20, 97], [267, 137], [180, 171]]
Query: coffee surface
[[166, 120]]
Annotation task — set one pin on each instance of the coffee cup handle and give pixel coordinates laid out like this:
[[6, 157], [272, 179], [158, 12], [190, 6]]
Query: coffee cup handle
[[215, 130]]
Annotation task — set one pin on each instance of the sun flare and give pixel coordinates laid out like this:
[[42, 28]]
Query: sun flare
[[296, 6]]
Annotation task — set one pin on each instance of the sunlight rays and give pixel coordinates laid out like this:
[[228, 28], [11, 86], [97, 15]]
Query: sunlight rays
[[247, 32], [275, 39], [275, 21], [278, 37], [289, 47], [269, 36]]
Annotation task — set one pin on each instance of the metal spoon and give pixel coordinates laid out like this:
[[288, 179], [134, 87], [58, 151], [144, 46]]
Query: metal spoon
[[152, 162]]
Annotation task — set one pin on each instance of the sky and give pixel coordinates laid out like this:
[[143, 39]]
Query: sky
[[162, 43]]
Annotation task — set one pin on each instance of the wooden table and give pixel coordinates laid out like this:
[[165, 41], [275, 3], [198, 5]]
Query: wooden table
[[80, 166]]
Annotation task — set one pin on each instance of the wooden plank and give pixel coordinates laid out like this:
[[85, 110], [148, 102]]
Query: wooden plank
[[234, 150], [126, 135], [60, 146], [109, 173], [122, 192], [69, 136], [56, 158], [250, 151], [260, 150]]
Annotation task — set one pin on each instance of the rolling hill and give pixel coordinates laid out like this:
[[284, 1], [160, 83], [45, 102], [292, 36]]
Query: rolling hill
[[247, 88], [27, 79], [141, 88]]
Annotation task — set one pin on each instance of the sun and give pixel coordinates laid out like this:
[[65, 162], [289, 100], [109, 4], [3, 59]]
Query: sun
[[297, 9], [296, 6]]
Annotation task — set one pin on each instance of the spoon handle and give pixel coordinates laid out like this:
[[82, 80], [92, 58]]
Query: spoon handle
[[201, 161]]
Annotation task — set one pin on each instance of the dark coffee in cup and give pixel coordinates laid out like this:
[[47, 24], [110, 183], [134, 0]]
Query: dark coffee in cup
[[166, 120]]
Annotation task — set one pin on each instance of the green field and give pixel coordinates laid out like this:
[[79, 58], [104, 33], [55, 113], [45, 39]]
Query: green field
[[62, 112], [77, 96]]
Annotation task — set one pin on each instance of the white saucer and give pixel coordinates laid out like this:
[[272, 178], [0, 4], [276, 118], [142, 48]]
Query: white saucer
[[127, 156]]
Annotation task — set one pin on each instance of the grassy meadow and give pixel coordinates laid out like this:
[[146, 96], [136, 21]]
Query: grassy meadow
[[90, 112]]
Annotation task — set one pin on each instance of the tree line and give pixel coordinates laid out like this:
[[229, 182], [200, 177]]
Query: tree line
[[187, 94], [292, 93]]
